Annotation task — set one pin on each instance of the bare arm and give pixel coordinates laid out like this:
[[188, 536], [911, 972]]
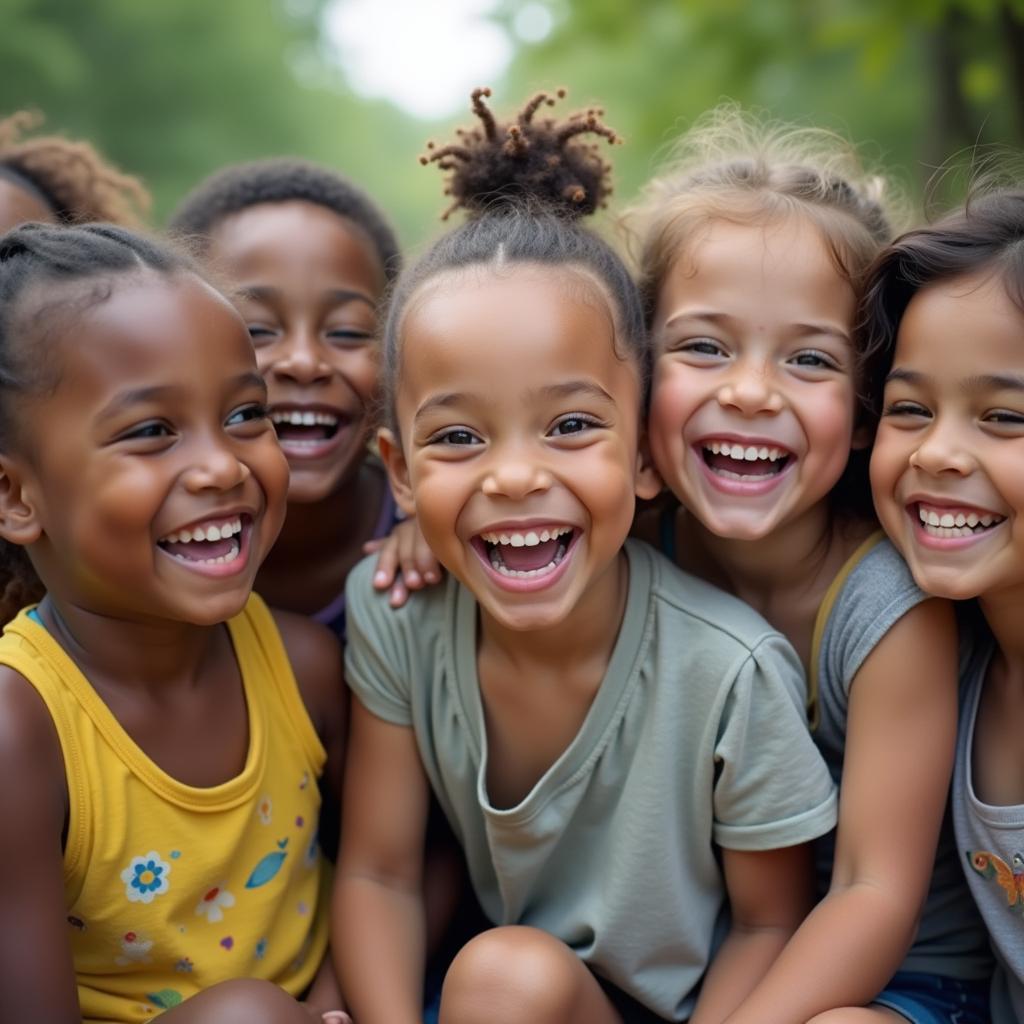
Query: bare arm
[[770, 892], [901, 731], [377, 927], [37, 978]]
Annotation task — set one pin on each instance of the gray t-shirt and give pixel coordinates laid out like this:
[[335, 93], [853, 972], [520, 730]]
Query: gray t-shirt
[[991, 842], [696, 737], [875, 590]]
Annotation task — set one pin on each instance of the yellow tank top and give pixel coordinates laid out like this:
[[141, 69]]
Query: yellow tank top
[[170, 888]]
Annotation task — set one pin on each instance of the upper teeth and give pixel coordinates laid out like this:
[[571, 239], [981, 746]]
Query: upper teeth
[[744, 452], [303, 419], [526, 540], [216, 531], [948, 520]]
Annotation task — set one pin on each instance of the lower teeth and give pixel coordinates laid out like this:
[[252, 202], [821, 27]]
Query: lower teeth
[[946, 532], [220, 560], [525, 574], [745, 476]]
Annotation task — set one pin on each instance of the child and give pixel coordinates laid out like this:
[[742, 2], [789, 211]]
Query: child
[[752, 250], [618, 746], [158, 760], [57, 181], [309, 256], [946, 473]]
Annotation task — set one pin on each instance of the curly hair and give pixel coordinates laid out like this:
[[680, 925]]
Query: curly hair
[[70, 177], [524, 186], [279, 180]]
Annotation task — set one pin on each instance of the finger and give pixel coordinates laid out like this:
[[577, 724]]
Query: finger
[[387, 565], [411, 575], [335, 1017], [374, 545], [428, 565], [398, 595]]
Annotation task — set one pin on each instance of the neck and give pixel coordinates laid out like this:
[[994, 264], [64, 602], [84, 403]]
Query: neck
[[588, 632], [791, 558], [152, 655], [1004, 613]]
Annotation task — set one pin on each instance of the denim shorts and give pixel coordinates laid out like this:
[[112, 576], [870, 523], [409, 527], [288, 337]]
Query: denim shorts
[[934, 999]]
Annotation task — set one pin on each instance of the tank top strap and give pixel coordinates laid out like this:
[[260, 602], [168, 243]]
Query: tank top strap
[[821, 621], [261, 655]]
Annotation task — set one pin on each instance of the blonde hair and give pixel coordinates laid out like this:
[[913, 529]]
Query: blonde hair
[[71, 176], [738, 167]]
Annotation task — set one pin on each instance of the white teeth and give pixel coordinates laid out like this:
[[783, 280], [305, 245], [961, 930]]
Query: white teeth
[[306, 418], [972, 520], [956, 524], [526, 540], [946, 521], [745, 454], [213, 532], [220, 560]]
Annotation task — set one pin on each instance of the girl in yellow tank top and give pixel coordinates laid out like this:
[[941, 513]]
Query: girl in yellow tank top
[[159, 761]]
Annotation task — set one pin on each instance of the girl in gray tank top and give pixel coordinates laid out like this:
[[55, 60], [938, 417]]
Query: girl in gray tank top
[[752, 248], [946, 314]]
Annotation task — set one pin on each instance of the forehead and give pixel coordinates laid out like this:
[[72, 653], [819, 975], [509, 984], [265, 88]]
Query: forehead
[[740, 265], [272, 239], [151, 329], [519, 325], [963, 327], [19, 207]]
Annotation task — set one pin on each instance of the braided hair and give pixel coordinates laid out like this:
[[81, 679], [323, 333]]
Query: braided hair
[[48, 274]]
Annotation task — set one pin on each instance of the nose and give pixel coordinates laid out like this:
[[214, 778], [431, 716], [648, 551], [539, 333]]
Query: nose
[[300, 358], [514, 473], [942, 450], [214, 466], [750, 389]]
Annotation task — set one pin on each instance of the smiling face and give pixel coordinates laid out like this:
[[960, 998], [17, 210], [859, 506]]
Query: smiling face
[[519, 426], [308, 282], [947, 472], [752, 407], [152, 483]]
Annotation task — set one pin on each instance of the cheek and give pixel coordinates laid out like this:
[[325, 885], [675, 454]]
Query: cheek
[[828, 417], [361, 369], [674, 398]]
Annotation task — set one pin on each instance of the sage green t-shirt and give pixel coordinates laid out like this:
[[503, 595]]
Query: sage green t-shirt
[[696, 738]]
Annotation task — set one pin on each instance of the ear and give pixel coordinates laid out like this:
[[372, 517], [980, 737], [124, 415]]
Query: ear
[[648, 483], [398, 470], [19, 522]]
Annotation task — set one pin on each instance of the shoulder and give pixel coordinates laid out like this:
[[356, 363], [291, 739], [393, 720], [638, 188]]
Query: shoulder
[[315, 655], [690, 602], [30, 750]]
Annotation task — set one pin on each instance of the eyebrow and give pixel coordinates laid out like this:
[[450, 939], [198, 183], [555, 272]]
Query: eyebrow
[[980, 382], [157, 392], [336, 296], [565, 389], [715, 317]]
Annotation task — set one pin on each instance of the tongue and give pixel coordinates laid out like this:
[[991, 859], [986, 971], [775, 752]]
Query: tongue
[[291, 432], [743, 467], [199, 550], [524, 559]]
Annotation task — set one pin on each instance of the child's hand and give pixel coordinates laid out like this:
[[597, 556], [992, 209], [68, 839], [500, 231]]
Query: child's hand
[[404, 550], [335, 1017]]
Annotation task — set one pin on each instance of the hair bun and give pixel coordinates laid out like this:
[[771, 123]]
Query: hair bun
[[527, 160]]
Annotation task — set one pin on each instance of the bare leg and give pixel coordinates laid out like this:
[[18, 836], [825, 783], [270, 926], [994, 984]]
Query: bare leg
[[514, 974], [243, 1001], [859, 1015]]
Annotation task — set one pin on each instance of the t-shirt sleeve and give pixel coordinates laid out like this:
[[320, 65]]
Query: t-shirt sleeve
[[377, 661], [772, 788]]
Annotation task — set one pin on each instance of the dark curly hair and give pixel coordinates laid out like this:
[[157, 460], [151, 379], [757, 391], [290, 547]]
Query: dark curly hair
[[69, 177], [280, 180], [40, 267], [524, 186]]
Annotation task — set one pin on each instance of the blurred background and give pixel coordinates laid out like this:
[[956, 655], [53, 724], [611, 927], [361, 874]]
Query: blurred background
[[173, 89]]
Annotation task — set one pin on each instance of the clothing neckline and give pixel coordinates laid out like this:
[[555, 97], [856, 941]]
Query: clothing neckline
[[606, 709], [219, 797]]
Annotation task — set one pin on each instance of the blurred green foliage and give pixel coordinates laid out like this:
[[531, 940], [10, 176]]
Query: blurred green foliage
[[173, 89]]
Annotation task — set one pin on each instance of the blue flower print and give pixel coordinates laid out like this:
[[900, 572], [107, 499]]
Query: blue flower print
[[146, 878]]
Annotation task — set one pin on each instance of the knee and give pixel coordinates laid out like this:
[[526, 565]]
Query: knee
[[511, 974], [245, 1001]]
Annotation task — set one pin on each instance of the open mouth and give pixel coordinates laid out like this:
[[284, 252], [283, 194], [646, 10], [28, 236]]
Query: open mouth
[[210, 543], [526, 554], [749, 463], [947, 523], [297, 428]]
